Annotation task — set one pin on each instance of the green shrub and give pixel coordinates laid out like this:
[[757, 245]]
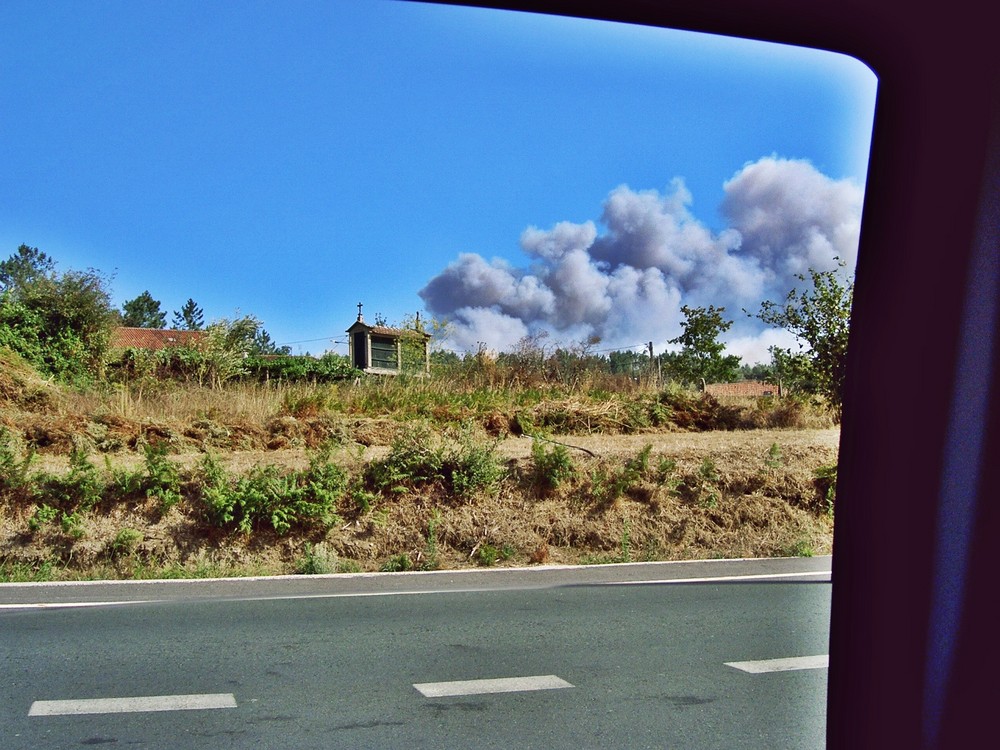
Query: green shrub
[[43, 515], [487, 555], [397, 563], [608, 486], [552, 466], [414, 459], [125, 542], [267, 494], [80, 490], [162, 477], [459, 465], [472, 467], [314, 561], [826, 486], [13, 466], [773, 460]]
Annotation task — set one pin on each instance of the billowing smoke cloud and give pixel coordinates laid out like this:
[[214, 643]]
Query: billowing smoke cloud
[[627, 285]]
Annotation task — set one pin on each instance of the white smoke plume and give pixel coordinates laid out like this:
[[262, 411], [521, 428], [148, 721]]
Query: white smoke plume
[[627, 285]]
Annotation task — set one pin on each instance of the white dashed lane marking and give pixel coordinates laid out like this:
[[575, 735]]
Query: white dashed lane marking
[[501, 685], [133, 705], [781, 665]]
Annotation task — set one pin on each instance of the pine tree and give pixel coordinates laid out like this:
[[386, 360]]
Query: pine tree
[[190, 317], [143, 312]]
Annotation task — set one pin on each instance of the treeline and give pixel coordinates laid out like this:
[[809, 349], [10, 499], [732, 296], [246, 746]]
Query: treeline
[[62, 323]]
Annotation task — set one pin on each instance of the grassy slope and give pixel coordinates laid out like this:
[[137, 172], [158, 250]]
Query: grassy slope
[[744, 493]]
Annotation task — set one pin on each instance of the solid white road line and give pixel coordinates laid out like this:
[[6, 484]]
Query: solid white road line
[[781, 665], [133, 705], [481, 687], [750, 578], [62, 605]]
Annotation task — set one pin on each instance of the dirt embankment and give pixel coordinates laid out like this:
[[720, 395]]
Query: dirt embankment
[[755, 493]]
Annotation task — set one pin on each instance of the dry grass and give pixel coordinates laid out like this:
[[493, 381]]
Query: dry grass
[[758, 506], [718, 493]]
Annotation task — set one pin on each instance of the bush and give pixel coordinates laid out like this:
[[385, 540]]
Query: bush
[[608, 486], [13, 466], [551, 467], [472, 467], [269, 495], [458, 465], [329, 368], [413, 460]]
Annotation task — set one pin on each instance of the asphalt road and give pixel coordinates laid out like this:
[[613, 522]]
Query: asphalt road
[[694, 655]]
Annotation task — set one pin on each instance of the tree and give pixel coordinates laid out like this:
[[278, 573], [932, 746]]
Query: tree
[[701, 358], [27, 265], [820, 319], [628, 363], [59, 322], [190, 317], [264, 344], [143, 312]]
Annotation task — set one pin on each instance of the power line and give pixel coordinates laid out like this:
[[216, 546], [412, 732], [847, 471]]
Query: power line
[[309, 341]]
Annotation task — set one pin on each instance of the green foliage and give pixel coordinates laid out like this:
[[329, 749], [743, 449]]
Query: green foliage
[[224, 351], [414, 459], [473, 467], [551, 467], [826, 485], [701, 485], [608, 486], [81, 489], [146, 368], [666, 475], [707, 471], [315, 561], [59, 322], [27, 573], [189, 318], [701, 358], [227, 349], [13, 466], [65, 499], [800, 548], [329, 368], [820, 319], [363, 499], [773, 460], [68, 498], [125, 542], [163, 479], [397, 563], [487, 555], [267, 494], [25, 267], [459, 465], [629, 363], [44, 514], [143, 312]]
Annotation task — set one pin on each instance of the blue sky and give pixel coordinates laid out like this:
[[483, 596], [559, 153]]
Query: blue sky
[[288, 160]]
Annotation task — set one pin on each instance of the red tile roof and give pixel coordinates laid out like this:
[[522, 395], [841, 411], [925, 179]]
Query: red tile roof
[[152, 338]]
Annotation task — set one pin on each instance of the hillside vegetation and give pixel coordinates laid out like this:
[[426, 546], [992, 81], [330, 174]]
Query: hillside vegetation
[[478, 465]]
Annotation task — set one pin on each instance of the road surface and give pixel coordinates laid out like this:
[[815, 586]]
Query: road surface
[[723, 654]]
